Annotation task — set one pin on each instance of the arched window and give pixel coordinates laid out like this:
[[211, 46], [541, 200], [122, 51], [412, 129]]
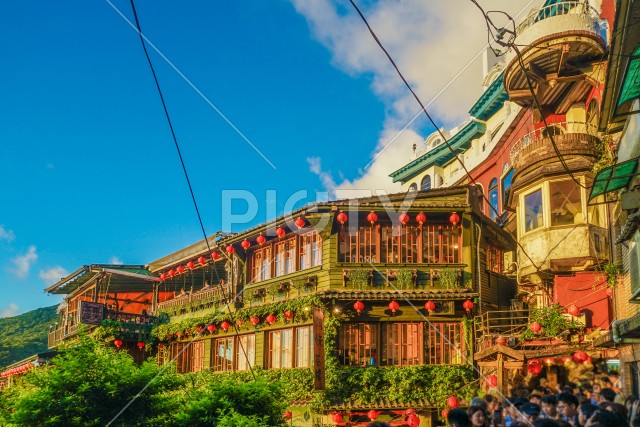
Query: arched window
[[413, 187], [493, 198], [426, 183]]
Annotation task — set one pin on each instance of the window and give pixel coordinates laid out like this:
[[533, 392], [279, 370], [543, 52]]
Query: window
[[445, 344], [304, 347], [507, 180], [285, 257], [262, 264], [565, 203], [357, 343], [440, 244], [402, 344], [426, 183], [493, 198], [223, 354], [359, 245], [290, 348], [597, 215], [246, 352], [413, 187], [182, 353], [310, 250], [400, 244], [495, 259], [533, 217]]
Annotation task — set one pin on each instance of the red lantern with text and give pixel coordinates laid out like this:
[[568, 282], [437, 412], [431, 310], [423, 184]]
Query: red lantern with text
[[225, 326], [573, 310], [202, 260], [117, 342], [535, 327], [261, 239], [280, 232], [245, 244], [445, 413], [163, 276], [454, 219], [358, 306], [211, 327], [336, 417], [180, 269], [430, 306], [300, 222], [287, 415], [191, 265], [373, 414], [140, 345], [288, 314], [342, 218], [580, 356], [492, 380], [421, 218], [230, 249], [453, 402], [403, 218], [254, 320], [468, 306], [413, 420], [609, 292], [215, 256], [393, 306], [372, 217], [501, 341], [271, 319]]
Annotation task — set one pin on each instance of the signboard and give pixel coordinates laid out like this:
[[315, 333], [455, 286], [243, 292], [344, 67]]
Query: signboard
[[91, 313], [318, 349]]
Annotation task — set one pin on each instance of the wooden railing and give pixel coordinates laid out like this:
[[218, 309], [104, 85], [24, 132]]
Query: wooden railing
[[200, 298], [59, 334], [139, 319], [506, 324]]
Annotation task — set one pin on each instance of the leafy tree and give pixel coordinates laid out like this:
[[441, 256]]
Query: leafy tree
[[25, 335]]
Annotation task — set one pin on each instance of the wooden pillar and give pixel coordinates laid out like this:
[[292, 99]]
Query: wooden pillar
[[500, 374]]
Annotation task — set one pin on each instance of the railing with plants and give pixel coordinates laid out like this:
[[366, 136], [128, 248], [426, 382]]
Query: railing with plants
[[550, 322], [403, 278], [196, 300]]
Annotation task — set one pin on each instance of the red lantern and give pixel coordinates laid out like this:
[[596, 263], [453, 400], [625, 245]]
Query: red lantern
[[535, 327], [117, 342], [372, 217], [573, 310], [430, 306], [280, 232], [609, 292], [445, 413], [393, 306], [180, 269], [300, 222], [287, 415], [255, 320], [288, 314], [225, 325], [191, 265], [454, 219], [358, 306], [492, 380], [211, 327], [342, 218], [163, 276], [403, 218], [336, 417], [453, 402], [421, 218], [468, 305], [245, 244], [239, 322], [501, 341], [261, 239], [202, 260], [413, 420], [172, 273], [373, 414], [271, 319], [140, 345], [535, 368], [580, 356], [199, 328], [230, 249], [215, 256]]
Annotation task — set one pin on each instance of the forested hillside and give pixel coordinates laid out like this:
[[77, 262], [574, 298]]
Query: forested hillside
[[24, 335]]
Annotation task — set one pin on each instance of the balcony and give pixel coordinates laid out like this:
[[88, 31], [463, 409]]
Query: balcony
[[505, 324], [571, 138], [60, 334], [197, 300]]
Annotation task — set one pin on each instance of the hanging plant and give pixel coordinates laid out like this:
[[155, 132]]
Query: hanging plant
[[611, 271], [449, 278], [359, 278], [552, 321], [404, 278]]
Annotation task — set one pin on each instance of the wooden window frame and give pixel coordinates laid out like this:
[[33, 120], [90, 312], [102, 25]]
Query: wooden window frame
[[248, 346], [310, 250], [439, 337], [287, 356], [358, 342], [402, 344], [222, 364], [495, 259], [258, 272], [290, 246]]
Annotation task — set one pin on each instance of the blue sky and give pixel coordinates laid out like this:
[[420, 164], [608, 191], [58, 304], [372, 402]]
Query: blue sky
[[88, 170]]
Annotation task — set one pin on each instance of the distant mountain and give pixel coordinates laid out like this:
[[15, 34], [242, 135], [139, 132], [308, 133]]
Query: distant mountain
[[25, 335]]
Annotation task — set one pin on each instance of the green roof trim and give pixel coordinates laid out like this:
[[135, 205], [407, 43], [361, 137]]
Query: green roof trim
[[631, 85], [614, 178], [491, 100], [440, 155]]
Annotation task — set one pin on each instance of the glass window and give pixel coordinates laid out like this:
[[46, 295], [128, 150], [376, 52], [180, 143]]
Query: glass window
[[285, 257], [440, 244], [262, 264], [426, 183], [507, 180], [445, 344], [402, 344], [533, 217], [358, 343], [281, 349], [223, 354], [493, 198], [566, 204], [413, 187], [304, 347], [247, 344], [310, 250]]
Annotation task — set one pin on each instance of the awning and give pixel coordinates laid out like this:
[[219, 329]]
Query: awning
[[614, 178], [631, 85]]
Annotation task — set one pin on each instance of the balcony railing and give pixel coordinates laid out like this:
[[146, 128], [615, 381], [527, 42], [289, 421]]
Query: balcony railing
[[578, 8], [201, 298], [60, 334], [506, 324], [535, 140]]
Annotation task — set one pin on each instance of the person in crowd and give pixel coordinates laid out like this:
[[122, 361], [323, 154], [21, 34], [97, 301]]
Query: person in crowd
[[477, 416], [458, 417], [620, 410], [181, 294], [494, 412], [378, 424], [628, 403], [536, 397], [585, 411], [478, 401], [568, 408], [616, 381], [548, 405], [545, 422], [206, 286], [608, 394], [529, 412]]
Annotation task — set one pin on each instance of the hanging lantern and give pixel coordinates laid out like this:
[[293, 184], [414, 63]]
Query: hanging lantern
[[358, 306], [342, 218], [393, 306], [215, 256], [172, 273], [239, 322], [199, 328], [468, 306], [261, 239], [454, 219], [191, 265], [445, 413], [372, 217], [140, 345], [535, 368], [589, 360], [413, 420], [288, 314], [548, 361], [573, 310], [211, 327], [535, 327], [163, 276], [280, 232], [501, 341], [245, 244], [403, 218], [300, 222], [453, 402], [271, 319], [492, 380], [373, 414], [202, 260], [609, 292], [255, 320], [230, 249], [430, 306], [117, 342], [180, 269], [421, 218], [580, 356], [336, 417], [225, 326], [287, 415]]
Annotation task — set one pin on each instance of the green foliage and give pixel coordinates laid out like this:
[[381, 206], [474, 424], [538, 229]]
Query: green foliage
[[25, 335], [359, 278], [604, 148], [552, 321], [404, 278], [448, 278], [611, 270]]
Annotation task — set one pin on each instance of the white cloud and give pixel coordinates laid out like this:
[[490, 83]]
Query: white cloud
[[115, 260], [23, 262], [315, 166], [430, 41], [10, 310], [7, 235], [53, 274]]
